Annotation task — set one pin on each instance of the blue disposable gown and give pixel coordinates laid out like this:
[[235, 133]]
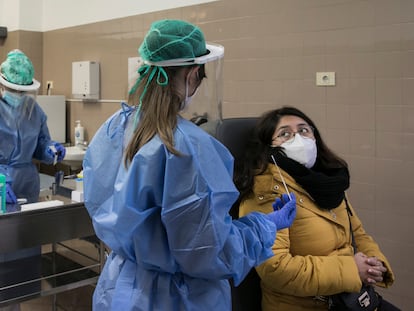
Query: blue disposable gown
[[24, 136], [165, 218]]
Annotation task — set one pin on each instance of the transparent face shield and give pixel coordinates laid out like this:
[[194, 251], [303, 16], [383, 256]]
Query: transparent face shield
[[18, 106], [205, 108]]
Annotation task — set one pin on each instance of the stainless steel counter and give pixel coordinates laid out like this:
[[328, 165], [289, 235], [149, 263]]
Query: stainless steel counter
[[43, 226], [52, 272]]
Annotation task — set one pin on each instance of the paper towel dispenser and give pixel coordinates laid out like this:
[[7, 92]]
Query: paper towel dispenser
[[85, 80]]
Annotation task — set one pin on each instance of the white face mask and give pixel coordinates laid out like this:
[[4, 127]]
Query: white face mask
[[188, 98], [301, 149]]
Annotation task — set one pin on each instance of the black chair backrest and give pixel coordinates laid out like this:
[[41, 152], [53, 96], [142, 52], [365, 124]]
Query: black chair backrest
[[234, 134]]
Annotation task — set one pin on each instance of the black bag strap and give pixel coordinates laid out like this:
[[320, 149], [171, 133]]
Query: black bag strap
[[349, 213], [383, 304]]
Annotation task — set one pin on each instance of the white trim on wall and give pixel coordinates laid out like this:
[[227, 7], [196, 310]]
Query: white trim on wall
[[9, 14]]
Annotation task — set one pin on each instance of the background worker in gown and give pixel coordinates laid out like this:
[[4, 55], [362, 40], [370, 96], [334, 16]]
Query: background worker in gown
[[24, 136], [159, 189], [23, 129]]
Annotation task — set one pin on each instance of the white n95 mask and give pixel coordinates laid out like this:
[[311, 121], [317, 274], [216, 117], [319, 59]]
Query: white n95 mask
[[301, 149]]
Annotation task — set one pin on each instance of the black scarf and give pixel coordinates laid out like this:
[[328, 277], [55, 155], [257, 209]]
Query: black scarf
[[325, 185]]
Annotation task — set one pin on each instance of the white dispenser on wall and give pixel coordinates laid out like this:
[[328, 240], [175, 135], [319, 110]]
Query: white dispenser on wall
[[79, 133], [85, 80]]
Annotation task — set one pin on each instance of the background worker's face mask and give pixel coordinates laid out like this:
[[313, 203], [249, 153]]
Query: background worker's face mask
[[13, 99], [301, 149]]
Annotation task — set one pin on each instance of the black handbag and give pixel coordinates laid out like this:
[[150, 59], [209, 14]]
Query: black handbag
[[366, 300]]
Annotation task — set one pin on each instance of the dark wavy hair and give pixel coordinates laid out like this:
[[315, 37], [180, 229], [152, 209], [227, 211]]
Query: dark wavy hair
[[259, 148]]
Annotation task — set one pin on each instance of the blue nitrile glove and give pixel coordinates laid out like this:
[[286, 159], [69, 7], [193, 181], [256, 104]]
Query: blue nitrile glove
[[56, 149], [10, 196], [283, 215], [61, 151]]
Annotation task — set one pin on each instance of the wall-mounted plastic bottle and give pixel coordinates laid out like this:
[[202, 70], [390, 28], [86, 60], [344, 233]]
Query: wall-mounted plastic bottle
[[3, 193], [79, 133]]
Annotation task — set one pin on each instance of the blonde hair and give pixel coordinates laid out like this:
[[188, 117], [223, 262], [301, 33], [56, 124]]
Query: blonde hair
[[158, 112]]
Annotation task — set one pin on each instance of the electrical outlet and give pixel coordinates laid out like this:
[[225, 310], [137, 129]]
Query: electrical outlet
[[49, 84], [325, 79]]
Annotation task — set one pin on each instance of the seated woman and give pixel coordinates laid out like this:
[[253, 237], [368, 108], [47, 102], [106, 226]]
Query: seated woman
[[314, 258]]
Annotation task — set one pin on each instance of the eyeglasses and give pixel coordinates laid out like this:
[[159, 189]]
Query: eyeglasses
[[286, 134]]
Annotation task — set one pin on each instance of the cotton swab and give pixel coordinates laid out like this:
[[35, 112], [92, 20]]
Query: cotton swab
[[283, 180]]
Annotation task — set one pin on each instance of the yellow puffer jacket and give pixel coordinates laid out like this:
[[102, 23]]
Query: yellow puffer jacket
[[314, 257]]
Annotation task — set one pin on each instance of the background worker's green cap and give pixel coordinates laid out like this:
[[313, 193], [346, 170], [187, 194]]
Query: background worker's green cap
[[17, 72]]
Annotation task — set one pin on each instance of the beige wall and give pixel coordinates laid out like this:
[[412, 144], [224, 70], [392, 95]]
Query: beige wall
[[31, 42], [273, 50]]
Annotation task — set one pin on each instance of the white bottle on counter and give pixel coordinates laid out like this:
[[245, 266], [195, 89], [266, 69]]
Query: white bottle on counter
[[79, 133]]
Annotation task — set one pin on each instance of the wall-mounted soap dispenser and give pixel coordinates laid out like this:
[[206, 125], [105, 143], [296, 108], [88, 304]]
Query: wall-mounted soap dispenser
[[85, 80]]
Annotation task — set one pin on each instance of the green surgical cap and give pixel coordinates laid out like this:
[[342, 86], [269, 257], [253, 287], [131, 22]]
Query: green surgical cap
[[17, 72], [172, 43], [172, 39]]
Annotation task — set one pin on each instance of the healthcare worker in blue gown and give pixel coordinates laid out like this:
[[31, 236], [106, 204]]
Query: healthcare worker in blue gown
[[24, 136], [159, 189], [23, 129]]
